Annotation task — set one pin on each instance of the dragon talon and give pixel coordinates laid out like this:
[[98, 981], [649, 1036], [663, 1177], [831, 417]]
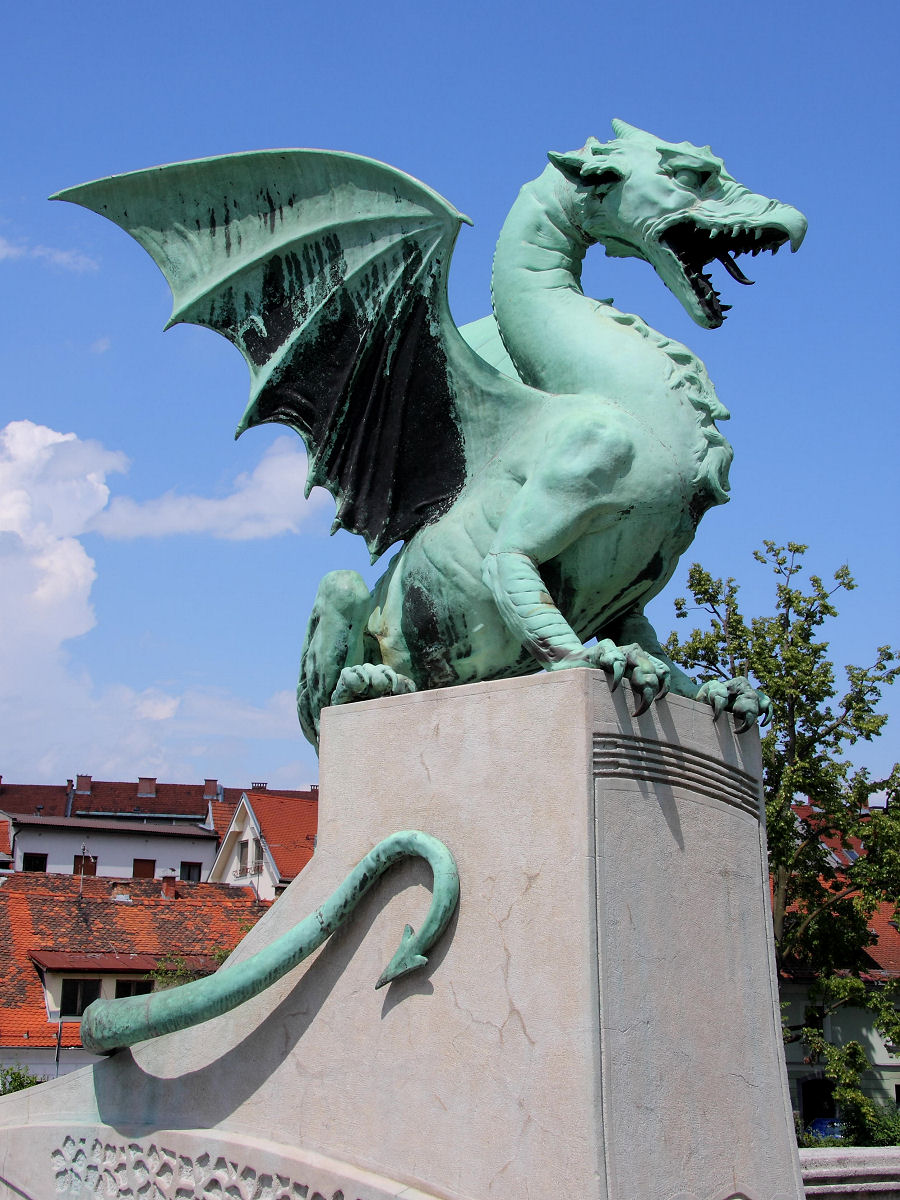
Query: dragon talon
[[647, 695]]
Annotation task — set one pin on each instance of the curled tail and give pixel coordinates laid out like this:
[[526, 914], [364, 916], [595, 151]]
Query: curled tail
[[109, 1025]]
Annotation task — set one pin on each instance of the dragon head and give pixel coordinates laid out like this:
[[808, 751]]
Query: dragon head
[[676, 207]]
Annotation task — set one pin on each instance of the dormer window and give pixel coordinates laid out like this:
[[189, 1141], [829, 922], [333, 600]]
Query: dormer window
[[76, 995]]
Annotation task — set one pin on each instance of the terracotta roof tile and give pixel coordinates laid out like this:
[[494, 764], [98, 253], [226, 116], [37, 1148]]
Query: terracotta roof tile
[[288, 823], [61, 914], [222, 811], [886, 952], [5, 843], [27, 797], [172, 799]]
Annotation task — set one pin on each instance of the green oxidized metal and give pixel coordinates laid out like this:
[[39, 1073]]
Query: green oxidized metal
[[544, 468], [109, 1025]]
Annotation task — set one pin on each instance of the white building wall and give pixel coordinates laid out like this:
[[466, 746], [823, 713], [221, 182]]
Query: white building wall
[[41, 1060], [115, 851], [230, 867]]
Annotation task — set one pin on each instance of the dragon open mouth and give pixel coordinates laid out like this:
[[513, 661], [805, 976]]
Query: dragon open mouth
[[694, 247]]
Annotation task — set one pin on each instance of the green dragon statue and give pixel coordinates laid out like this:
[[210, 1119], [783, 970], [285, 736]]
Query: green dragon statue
[[544, 468]]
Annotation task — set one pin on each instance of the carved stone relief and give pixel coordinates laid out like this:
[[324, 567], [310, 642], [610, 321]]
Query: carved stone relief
[[89, 1166]]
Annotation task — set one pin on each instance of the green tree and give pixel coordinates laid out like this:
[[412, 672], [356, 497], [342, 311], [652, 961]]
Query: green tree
[[821, 908], [16, 1079]]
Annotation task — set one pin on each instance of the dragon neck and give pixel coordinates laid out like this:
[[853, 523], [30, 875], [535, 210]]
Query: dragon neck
[[536, 284], [565, 343]]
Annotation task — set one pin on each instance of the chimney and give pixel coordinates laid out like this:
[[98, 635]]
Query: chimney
[[210, 789], [83, 785], [146, 786], [168, 886], [258, 787]]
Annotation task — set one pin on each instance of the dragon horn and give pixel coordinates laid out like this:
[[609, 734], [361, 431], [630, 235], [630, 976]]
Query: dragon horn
[[623, 130]]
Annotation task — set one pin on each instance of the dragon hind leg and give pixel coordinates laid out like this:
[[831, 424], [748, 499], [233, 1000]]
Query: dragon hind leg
[[334, 640]]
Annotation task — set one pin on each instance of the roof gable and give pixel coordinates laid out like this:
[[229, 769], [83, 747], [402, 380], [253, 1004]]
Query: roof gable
[[288, 824]]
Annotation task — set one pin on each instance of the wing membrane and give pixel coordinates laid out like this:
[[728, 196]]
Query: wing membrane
[[328, 272]]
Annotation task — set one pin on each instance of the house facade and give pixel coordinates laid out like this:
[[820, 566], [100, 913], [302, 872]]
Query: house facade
[[68, 941], [811, 1092], [139, 829], [269, 840], [118, 849]]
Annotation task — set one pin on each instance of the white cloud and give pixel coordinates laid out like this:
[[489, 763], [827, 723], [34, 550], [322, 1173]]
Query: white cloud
[[264, 503], [55, 721], [51, 486], [67, 260], [9, 249], [100, 346]]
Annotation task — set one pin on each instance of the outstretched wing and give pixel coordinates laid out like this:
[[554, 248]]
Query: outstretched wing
[[328, 272]]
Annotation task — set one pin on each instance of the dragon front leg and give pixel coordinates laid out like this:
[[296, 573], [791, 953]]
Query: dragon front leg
[[529, 611]]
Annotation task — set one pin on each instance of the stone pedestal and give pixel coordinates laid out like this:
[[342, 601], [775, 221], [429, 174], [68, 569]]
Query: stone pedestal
[[599, 1022]]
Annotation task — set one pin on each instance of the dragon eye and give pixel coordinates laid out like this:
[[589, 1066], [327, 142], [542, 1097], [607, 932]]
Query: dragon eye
[[691, 178]]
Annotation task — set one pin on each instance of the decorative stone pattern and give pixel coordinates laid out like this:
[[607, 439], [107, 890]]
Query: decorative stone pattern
[[88, 1166], [655, 762]]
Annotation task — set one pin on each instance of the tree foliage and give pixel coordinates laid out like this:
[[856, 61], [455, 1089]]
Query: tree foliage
[[822, 906], [15, 1078]]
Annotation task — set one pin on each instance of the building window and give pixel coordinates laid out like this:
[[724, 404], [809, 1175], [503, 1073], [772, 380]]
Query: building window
[[133, 987], [190, 872], [243, 855], [143, 868], [84, 864], [257, 856], [77, 994], [34, 862]]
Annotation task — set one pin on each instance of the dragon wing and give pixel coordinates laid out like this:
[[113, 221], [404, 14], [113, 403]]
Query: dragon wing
[[328, 271]]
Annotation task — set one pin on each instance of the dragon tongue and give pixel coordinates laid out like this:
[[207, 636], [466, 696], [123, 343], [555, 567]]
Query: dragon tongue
[[732, 268]]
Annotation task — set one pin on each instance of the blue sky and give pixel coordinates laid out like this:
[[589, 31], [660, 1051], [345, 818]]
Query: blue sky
[[157, 576]]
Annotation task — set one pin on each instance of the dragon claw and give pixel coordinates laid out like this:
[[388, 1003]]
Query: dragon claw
[[649, 676], [739, 697], [368, 681], [647, 696]]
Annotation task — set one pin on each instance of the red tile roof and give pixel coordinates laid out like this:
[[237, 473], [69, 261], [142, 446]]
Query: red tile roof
[[221, 811], [182, 800], [43, 915], [288, 823], [27, 797], [111, 964], [886, 952]]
